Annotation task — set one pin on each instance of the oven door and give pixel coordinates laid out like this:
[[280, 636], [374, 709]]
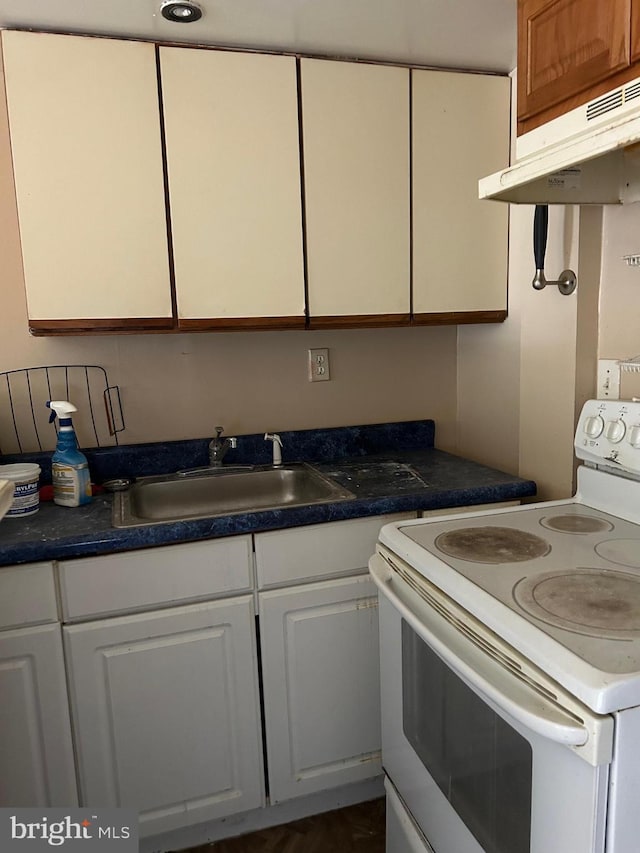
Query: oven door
[[487, 761]]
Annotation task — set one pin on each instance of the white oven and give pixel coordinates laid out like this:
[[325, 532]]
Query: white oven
[[510, 667]]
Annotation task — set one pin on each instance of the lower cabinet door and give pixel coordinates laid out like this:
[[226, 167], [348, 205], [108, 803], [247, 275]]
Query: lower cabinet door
[[36, 755], [321, 685], [166, 713]]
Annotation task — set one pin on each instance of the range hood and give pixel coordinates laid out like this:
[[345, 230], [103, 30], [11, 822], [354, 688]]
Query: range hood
[[591, 155]]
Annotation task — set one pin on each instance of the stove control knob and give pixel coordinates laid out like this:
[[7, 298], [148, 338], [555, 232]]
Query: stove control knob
[[615, 431], [593, 426], [634, 436]]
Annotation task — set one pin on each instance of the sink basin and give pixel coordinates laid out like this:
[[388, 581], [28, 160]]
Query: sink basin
[[153, 500]]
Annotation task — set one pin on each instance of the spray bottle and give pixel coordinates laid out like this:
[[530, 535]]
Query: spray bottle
[[69, 467]]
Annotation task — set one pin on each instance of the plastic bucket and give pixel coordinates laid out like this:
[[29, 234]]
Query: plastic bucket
[[26, 499]]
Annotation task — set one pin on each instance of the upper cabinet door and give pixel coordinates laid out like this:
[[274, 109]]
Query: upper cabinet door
[[233, 159], [635, 33], [87, 156], [460, 133], [567, 46], [355, 121]]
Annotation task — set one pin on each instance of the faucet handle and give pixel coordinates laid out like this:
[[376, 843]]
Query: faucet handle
[[219, 430]]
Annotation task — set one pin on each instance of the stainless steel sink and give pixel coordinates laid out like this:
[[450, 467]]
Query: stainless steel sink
[[153, 500]]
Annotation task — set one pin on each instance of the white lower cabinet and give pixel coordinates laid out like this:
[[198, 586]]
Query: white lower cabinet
[[162, 677], [321, 685], [166, 712], [36, 754]]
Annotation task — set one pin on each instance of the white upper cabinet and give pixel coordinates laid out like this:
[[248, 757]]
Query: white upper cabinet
[[231, 123], [460, 133], [355, 122], [369, 170], [87, 157]]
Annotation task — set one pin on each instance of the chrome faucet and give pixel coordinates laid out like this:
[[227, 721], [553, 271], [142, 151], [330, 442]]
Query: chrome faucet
[[219, 446]]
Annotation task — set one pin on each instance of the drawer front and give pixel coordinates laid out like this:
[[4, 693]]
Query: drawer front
[[318, 550], [136, 580], [27, 595]]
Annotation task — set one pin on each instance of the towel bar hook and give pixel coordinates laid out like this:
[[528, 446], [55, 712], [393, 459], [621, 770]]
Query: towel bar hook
[[567, 281]]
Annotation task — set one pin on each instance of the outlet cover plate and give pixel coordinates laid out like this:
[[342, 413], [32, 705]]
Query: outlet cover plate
[[608, 379], [319, 365]]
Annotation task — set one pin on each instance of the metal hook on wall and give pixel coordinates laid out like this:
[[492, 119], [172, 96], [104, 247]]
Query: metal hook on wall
[[567, 281]]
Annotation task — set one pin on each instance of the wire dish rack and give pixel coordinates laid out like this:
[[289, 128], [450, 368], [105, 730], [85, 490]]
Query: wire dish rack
[[24, 416]]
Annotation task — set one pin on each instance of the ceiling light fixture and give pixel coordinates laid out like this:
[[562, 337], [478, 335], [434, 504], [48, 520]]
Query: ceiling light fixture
[[181, 11]]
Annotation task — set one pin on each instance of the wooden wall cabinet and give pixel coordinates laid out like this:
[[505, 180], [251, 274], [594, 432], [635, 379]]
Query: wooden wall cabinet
[[570, 51]]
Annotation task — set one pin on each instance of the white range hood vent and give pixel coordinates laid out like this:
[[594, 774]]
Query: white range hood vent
[[591, 155]]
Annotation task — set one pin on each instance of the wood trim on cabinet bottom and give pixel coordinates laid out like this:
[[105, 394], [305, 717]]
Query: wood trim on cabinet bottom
[[106, 326], [239, 324], [359, 321], [448, 318], [137, 325]]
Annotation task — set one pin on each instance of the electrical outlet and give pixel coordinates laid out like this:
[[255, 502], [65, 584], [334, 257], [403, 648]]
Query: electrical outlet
[[319, 365], [608, 379]]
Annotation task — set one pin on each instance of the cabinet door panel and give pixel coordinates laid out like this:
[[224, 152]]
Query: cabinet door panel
[[166, 713], [635, 33], [36, 755], [86, 145], [566, 46], [460, 133], [321, 684], [231, 122], [355, 121]]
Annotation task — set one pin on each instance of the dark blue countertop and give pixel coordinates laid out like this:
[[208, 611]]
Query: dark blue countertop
[[387, 467]]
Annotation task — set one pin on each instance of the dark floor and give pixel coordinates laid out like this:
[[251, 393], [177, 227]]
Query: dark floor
[[355, 829]]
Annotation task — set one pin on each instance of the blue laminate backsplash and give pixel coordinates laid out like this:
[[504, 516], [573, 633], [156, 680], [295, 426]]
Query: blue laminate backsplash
[[387, 468], [309, 445]]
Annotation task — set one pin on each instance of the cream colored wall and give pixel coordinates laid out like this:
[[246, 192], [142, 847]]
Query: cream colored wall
[[181, 386], [520, 384], [558, 352], [620, 292], [489, 380], [547, 360]]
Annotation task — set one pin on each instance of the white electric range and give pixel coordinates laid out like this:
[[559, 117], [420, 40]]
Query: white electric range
[[510, 663]]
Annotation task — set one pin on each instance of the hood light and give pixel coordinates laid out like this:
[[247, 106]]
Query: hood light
[[182, 12]]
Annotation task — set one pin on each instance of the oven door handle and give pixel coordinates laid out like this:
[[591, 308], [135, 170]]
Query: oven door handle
[[522, 702]]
